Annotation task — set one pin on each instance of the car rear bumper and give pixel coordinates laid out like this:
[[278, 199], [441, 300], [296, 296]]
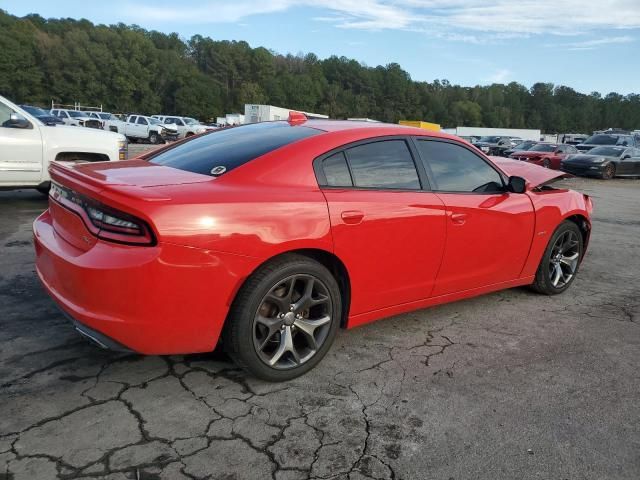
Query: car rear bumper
[[164, 299]]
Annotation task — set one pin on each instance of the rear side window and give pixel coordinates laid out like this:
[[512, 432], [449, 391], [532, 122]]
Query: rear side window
[[226, 149], [336, 171], [384, 164], [456, 169]]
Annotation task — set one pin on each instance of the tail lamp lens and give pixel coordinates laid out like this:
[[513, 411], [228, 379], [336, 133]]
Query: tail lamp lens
[[103, 221]]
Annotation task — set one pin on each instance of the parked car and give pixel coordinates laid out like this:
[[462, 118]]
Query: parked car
[[76, 118], [109, 121], [263, 235], [42, 115], [495, 145], [547, 155], [186, 126], [28, 146], [603, 139], [520, 147], [605, 162], [141, 127]]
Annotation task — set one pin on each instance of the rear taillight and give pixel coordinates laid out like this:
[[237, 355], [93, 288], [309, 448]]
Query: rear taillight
[[103, 221]]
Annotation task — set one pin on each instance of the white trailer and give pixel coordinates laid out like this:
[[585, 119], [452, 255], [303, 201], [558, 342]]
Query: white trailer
[[525, 134], [266, 113]]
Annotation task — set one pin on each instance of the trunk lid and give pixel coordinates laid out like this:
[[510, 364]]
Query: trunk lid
[[534, 175], [137, 173]]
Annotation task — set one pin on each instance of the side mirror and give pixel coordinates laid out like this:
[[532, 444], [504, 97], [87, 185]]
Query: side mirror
[[626, 157], [17, 121], [517, 184]]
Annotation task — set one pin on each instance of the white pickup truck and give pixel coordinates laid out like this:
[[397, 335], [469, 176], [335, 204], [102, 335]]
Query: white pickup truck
[[186, 126], [110, 122], [27, 146], [141, 127]]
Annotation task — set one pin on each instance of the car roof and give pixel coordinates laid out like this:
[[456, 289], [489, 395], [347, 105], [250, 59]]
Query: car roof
[[392, 128]]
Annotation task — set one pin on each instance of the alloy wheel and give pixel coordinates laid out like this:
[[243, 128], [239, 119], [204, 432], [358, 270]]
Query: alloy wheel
[[564, 258], [292, 321]]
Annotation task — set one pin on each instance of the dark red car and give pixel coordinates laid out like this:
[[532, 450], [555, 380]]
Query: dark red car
[[271, 236], [547, 155]]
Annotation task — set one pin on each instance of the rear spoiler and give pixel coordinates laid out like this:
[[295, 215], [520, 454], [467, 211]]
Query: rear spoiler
[[71, 175]]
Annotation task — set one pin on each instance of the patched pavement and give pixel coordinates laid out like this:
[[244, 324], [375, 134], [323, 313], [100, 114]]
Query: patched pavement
[[508, 385]]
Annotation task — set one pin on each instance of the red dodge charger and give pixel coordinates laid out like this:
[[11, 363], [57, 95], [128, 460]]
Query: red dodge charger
[[271, 236]]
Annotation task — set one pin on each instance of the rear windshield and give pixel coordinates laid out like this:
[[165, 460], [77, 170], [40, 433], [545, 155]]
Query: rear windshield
[[229, 148]]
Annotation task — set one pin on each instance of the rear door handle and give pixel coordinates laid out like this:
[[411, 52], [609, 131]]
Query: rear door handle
[[352, 217], [459, 218]]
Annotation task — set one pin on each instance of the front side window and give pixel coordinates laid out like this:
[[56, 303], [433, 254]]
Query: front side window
[[142, 121], [456, 169], [5, 113], [384, 164]]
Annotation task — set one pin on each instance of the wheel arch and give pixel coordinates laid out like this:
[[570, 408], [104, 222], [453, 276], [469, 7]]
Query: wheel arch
[[326, 258], [584, 226]]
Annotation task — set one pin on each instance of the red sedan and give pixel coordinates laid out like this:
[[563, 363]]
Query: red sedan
[[547, 155], [271, 236]]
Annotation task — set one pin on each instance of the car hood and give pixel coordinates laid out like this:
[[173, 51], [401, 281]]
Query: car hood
[[582, 158], [534, 175]]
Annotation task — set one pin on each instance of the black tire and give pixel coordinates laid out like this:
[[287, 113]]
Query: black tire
[[189, 134], [609, 171], [154, 138], [546, 163], [44, 188], [240, 327], [543, 282]]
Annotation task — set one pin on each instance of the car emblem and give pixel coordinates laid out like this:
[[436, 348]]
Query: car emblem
[[217, 171]]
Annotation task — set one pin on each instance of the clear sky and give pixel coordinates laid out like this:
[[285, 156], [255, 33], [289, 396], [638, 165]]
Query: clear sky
[[589, 45]]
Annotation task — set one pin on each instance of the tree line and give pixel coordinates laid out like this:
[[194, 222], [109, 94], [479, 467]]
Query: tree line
[[129, 69]]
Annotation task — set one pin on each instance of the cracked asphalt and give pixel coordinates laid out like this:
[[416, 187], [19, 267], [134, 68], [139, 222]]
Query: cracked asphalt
[[511, 385]]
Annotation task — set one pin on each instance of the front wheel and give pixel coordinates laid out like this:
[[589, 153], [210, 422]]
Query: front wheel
[[284, 319], [154, 138], [560, 261], [546, 163], [609, 171]]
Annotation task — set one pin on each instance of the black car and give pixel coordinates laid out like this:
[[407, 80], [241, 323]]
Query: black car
[[42, 115], [602, 139], [604, 162], [521, 147], [495, 144]]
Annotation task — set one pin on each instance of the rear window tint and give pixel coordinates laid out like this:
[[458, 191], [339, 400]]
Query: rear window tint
[[224, 150]]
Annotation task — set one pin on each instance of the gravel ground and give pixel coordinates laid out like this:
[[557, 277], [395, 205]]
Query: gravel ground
[[511, 385]]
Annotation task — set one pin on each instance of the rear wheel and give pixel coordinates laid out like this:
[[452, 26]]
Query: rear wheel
[[559, 264], [609, 171], [284, 319]]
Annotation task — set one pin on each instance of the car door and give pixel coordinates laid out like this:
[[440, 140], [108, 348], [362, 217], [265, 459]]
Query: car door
[[635, 157], [626, 164], [130, 126], [387, 227], [20, 150], [142, 127], [558, 155], [489, 230]]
